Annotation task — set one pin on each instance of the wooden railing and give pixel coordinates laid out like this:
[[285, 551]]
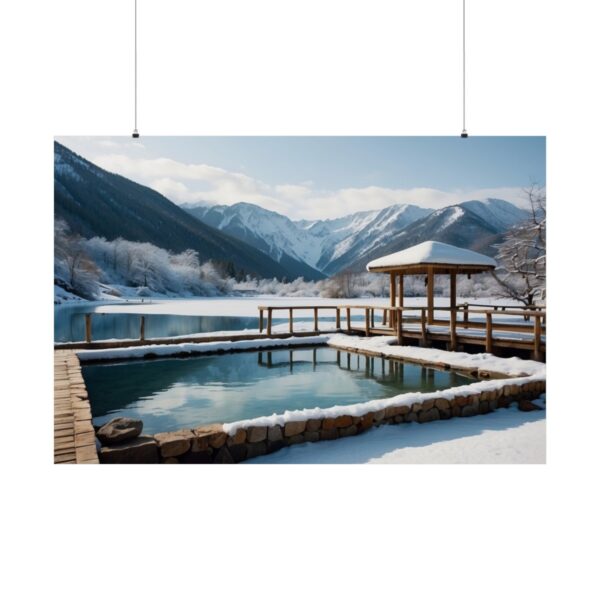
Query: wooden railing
[[290, 309], [88, 327], [395, 320]]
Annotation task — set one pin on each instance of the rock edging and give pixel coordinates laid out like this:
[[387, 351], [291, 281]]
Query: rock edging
[[212, 444]]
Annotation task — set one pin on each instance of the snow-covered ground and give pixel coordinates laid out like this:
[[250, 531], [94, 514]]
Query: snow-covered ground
[[247, 306], [503, 436]]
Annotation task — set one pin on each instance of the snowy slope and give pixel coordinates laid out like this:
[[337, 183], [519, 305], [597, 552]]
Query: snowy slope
[[500, 214], [271, 232]]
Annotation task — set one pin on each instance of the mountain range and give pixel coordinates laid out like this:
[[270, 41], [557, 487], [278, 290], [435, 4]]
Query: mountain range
[[258, 241], [349, 243]]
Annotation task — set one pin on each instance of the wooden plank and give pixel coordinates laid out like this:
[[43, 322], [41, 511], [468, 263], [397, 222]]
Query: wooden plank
[[269, 320], [423, 327], [65, 459], [291, 318], [367, 322], [142, 327], [316, 318], [260, 320], [337, 318], [348, 320]]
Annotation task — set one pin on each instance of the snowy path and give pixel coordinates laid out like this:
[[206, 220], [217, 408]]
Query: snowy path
[[504, 436]]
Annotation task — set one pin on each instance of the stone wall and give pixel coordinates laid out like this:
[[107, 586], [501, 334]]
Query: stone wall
[[210, 444]]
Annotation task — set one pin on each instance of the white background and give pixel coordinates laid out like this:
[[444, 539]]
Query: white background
[[299, 67]]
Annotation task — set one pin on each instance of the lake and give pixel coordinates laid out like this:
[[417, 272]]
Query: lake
[[69, 324]]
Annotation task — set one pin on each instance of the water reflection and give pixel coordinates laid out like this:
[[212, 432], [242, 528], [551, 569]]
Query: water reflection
[[168, 394]]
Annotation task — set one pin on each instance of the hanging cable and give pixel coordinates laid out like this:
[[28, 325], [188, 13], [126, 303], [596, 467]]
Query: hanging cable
[[464, 74], [135, 133]]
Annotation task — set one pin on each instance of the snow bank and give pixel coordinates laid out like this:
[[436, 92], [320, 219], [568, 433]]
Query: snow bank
[[513, 367]]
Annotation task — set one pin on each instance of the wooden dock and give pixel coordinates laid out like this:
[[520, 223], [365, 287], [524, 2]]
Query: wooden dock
[[74, 437], [491, 327]]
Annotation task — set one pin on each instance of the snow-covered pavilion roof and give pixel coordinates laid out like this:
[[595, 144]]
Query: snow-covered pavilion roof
[[433, 254]]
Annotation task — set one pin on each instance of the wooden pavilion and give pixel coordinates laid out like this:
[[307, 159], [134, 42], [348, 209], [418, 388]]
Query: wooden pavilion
[[429, 259]]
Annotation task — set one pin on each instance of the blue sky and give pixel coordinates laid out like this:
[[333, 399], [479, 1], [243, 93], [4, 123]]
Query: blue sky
[[323, 177]]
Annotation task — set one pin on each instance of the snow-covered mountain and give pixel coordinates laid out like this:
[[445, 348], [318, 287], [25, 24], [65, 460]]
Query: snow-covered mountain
[[372, 234], [326, 247], [318, 244], [272, 233]]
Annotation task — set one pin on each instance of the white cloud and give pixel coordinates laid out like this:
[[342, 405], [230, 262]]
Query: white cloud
[[189, 182]]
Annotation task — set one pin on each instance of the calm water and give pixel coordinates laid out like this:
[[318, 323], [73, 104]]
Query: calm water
[[169, 394], [69, 324]]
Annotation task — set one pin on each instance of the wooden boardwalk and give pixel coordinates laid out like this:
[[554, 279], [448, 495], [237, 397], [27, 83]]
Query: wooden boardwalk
[[74, 437], [493, 327], [469, 327]]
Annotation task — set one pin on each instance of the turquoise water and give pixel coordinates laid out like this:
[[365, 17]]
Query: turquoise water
[[169, 394]]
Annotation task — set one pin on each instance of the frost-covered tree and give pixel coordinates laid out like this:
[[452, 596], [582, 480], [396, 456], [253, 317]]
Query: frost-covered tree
[[73, 268], [521, 257]]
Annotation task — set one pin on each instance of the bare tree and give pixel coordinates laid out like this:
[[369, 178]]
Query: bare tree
[[522, 255]]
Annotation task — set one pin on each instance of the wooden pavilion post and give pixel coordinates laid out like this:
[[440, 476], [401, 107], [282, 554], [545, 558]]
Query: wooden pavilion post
[[400, 289], [452, 310], [392, 298], [430, 295], [400, 299]]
